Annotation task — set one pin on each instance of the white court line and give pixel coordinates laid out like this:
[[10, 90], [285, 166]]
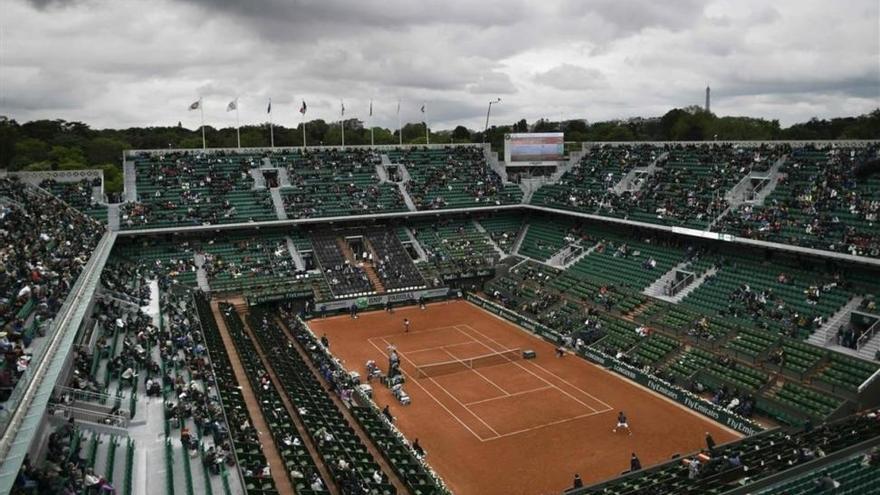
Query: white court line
[[404, 334], [453, 356], [516, 363], [468, 428], [440, 347], [508, 395], [481, 420], [608, 407], [552, 423]]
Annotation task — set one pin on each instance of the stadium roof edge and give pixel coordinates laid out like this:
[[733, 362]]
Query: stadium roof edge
[[703, 234]]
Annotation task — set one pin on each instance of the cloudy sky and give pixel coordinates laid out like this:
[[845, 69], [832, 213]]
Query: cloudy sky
[[142, 62]]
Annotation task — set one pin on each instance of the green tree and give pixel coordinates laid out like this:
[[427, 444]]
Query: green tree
[[105, 150], [461, 135]]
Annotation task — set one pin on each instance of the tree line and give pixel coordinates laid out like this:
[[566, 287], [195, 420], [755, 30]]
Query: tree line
[[62, 145]]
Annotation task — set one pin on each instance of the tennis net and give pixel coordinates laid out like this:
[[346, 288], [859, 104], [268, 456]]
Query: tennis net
[[459, 365]]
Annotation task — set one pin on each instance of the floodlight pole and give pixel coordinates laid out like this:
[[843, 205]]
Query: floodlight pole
[[486, 130]]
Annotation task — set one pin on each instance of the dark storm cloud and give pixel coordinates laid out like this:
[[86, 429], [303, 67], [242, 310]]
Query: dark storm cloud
[[141, 62]]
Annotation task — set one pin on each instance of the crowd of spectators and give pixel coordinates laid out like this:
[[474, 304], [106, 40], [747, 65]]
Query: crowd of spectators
[[336, 182], [195, 188], [820, 202], [453, 177], [393, 264], [44, 246]]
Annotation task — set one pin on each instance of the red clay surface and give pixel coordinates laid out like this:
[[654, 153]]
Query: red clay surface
[[511, 427]]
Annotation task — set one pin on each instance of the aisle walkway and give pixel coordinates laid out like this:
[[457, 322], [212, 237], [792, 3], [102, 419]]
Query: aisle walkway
[[276, 465]]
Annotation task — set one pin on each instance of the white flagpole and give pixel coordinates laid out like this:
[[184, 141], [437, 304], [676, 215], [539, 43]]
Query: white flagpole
[[271, 127], [342, 123], [304, 130], [237, 124], [372, 140], [427, 136], [202, 111], [399, 128]]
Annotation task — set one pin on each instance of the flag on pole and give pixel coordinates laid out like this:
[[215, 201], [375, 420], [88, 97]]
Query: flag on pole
[[371, 108], [343, 108], [302, 109], [398, 107], [233, 105], [269, 108], [423, 108], [196, 104]]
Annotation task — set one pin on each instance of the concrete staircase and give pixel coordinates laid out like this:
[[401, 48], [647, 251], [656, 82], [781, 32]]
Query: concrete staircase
[[415, 244], [626, 184], [492, 161], [129, 181], [497, 248], [278, 202], [573, 159], [870, 348], [744, 191], [824, 336], [382, 173], [201, 274], [519, 239], [283, 177], [530, 185], [375, 281], [657, 288], [295, 254], [410, 204], [259, 180], [113, 216], [572, 261]]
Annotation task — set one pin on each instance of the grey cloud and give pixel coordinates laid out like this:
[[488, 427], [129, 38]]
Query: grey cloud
[[571, 77], [496, 83]]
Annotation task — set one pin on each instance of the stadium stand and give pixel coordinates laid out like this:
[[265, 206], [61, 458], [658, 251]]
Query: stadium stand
[[819, 203], [453, 177], [79, 195], [349, 461], [195, 188], [742, 335], [335, 183], [755, 457], [45, 245]]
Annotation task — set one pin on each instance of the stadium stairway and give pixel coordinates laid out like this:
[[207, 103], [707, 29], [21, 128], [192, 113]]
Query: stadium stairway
[[656, 289], [201, 274], [113, 216], [492, 160], [871, 348], [743, 191], [295, 254], [380, 170], [410, 204], [283, 178], [625, 184], [824, 336], [565, 264], [483, 231], [278, 203], [416, 245], [774, 176], [573, 159], [129, 181], [519, 240], [259, 180]]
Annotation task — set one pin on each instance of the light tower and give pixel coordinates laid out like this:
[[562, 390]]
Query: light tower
[[707, 99]]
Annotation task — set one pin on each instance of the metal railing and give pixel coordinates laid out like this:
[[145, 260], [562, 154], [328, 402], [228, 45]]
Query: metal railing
[[118, 418]]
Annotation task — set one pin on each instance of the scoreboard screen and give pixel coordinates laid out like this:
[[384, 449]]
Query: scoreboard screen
[[534, 147]]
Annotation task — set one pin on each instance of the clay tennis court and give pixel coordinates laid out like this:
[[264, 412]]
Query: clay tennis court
[[493, 423]]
